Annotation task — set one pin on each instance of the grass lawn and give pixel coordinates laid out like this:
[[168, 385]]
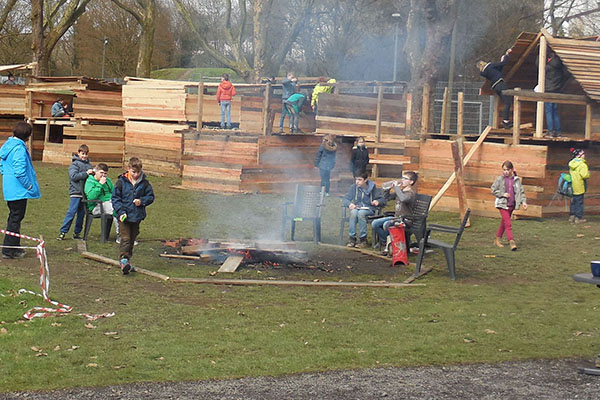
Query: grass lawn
[[514, 306]]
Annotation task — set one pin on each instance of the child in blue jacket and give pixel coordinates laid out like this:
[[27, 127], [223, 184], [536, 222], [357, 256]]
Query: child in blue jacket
[[131, 195]]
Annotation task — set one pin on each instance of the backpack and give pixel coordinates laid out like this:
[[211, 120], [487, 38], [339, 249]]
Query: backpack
[[565, 186]]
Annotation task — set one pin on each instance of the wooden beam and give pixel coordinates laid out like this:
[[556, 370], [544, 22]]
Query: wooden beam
[[460, 116], [200, 105], [266, 108], [523, 57], [460, 181], [496, 111], [516, 120], [252, 282], [47, 131], [444, 121], [106, 260], [588, 122], [539, 117], [452, 177], [425, 111], [378, 126], [530, 95], [408, 120]]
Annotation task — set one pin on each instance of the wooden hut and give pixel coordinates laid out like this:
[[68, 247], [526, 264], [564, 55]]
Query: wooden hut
[[538, 160]]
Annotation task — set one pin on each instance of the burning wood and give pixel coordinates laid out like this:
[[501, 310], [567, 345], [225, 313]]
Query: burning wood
[[233, 253]]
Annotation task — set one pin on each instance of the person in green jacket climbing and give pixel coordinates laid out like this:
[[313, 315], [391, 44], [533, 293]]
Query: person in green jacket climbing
[[293, 105], [580, 173]]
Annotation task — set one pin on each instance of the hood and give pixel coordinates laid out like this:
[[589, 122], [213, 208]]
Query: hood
[[226, 85], [370, 186], [574, 163], [125, 177], [331, 81], [330, 146], [11, 144]]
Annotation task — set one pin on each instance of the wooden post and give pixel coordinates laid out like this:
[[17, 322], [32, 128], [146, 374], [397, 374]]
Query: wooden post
[[460, 116], [378, 126], [200, 105], [460, 182], [443, 126], [516, 120], [588, 121], [266, 109], [496, 111], [539, 117], [425, 111], [408, 121], [46, 132]]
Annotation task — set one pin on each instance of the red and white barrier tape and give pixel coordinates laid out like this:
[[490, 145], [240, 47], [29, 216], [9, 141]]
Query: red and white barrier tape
[[41, 312]]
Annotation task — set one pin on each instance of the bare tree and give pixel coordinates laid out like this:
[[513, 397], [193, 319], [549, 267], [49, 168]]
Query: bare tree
[[144, 12], [560, 12], [48, 29], [7, 8]]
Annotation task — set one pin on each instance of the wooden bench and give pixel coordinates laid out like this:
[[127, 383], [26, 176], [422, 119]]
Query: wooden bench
[[388, 159]]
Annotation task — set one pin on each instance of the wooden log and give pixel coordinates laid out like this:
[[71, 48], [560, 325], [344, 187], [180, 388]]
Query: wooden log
[[425, 111], [516, 120], [474, 148], [539, 118], [109, 261], [460, 117], [378, 126], [252, 282], [460, 182], [588, 122]]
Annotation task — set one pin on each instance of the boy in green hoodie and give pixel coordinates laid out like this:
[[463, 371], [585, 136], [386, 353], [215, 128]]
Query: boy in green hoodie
[[580, 173]]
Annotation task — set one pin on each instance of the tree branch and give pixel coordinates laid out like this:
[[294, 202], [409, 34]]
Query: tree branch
[[7, 9], [293, 32], [134, 13]]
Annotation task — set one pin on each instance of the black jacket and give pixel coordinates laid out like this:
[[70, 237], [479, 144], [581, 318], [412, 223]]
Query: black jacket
[[493, 71], [359, 159], [125, 192], [555, 74]]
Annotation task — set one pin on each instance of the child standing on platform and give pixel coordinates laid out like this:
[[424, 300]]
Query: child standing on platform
[[510, 195], [79, 171], [131, 195], [225, 94]]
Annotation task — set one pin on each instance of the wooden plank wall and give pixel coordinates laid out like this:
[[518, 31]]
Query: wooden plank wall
[[145, 101], [98, 105], [157, 144], [12, 100], [211, 111]]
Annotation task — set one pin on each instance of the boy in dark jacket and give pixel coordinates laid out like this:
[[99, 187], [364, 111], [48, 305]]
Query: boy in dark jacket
[[131, 195], [362, 199], [360, 156], [225, 94], [79, 171], [325, 160], [554, 81], [493, 72]]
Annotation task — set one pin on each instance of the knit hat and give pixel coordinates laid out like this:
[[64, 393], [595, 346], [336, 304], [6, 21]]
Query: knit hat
[[575, 152]]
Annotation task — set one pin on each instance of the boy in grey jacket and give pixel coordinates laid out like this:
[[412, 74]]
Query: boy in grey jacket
[[79, 171]]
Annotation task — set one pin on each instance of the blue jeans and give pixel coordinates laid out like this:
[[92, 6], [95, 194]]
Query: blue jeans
[[325, 178], [552, 117], [76, 206], [360, 217], [225, 110], [577, 206], [378, 228], [283, 113]]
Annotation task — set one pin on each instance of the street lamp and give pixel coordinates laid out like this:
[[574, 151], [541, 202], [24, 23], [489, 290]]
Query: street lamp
[[104, 54], [397, 16]]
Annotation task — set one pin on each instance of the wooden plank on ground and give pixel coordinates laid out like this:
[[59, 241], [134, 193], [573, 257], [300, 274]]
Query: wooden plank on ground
[[251, 282], [106, 260], [232, 263]]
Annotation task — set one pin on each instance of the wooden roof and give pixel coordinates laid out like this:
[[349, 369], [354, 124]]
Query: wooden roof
[[580, 56], [48, 83]]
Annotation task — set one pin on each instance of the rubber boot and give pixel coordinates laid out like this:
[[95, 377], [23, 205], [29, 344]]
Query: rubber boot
[[498, 243], [513, 245]]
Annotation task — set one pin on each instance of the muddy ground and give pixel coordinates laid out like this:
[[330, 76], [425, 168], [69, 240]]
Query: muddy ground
[[514, 380]]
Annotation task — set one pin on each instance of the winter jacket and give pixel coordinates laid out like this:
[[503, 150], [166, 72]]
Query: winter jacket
[[19, 180], [225, 92], [296, 101], [320, 89], [555, 75], [498, 190], [288, 88], [125, 192], [363, 197], [405, 201], [95, 191], [580, 172], [77, 175], [326, 156], [57, 110], [359, 159], [493, 71]]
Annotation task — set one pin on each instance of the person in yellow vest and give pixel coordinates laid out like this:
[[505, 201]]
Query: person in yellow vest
[[320, 88], [580, 173]]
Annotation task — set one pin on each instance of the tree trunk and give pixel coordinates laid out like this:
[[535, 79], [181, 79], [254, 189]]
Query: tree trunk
[[144, 64], [37, 42], [261, 14]]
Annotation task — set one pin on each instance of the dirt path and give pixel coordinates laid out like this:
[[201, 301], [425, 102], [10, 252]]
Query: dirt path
[[517, 380]]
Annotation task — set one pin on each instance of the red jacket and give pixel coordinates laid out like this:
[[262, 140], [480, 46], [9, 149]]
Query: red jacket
[[225, 91]]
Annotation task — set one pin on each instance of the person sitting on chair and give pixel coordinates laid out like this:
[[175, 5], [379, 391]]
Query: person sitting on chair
[[405, 197], [98, 186], [362, 199]]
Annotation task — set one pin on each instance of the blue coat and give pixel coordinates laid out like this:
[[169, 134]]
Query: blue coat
[[325, 158], [363, 197], [125, 192], [19, 180]]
